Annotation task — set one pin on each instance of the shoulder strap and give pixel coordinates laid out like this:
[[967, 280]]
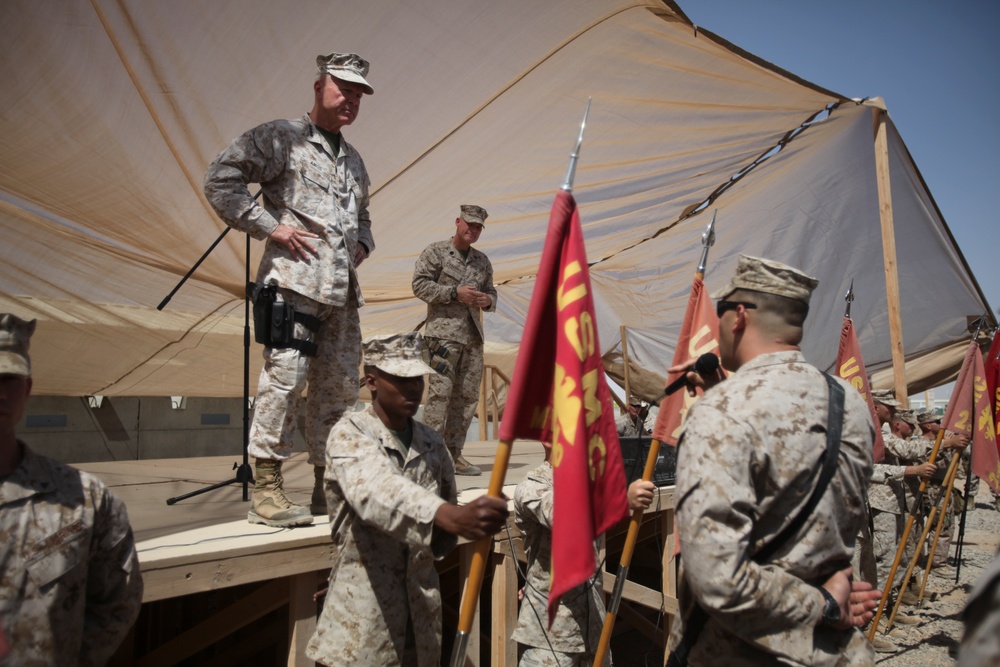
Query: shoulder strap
[[830, 457]]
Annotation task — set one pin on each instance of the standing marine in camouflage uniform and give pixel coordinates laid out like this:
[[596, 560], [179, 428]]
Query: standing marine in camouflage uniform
[[70, 587], [314, 218], [632, 424], [456, 281], [391, 491], [576, 630], [749, 459]]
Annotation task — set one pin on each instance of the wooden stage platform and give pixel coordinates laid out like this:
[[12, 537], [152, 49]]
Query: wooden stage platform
[[204, 544]]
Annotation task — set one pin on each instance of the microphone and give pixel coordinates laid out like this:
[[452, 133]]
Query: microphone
[[706, 364]]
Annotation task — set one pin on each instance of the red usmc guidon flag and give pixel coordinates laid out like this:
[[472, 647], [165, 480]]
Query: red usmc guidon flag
[[559, 394]]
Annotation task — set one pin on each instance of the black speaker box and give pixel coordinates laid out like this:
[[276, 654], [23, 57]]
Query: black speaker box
[[634, 453]]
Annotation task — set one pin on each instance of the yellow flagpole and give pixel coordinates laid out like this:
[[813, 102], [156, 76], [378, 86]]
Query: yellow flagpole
[[916, 553], [887, 585], [477, 568]]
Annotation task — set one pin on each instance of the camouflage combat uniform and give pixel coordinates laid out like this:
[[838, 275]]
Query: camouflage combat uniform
[[307, 186], [454, 327], [748, 462], [626, 427], [383, 606], [576, 630], [891, 497], [70, 586]]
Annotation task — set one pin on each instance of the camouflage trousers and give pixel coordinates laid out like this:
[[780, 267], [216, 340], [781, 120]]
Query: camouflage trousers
[[546, 657], [888, 529], [863, 560], [943, 546], [332, 378], [453, 395]]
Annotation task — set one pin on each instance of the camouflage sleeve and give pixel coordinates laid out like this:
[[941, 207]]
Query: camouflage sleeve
[[365, 236], [376, 489], [489, 289], [883, 473], [426, 273], [913, 450], [114, 583], [715, 519], [533, 503], [256, 156]]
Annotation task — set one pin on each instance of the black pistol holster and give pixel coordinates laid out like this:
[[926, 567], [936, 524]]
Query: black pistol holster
[[274, 320], [437, 356]]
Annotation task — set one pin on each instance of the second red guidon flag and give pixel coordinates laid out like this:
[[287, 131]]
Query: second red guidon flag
[[559, 394], [970, 413], [851, 367], [699, 334]]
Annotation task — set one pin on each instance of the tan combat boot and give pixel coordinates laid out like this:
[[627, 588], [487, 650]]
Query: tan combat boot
[[317, 504], [462, 466], [270, 505], [884, 645]]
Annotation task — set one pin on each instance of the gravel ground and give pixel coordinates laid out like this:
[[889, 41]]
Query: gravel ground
[[934, 642]]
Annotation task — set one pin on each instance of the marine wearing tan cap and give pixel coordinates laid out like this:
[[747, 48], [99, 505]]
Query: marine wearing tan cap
[[886, 397], [928, 417], [15, 338], [474, 215], [347, 67], [765, 275], [401, 355], [455, 279], [907, 416]]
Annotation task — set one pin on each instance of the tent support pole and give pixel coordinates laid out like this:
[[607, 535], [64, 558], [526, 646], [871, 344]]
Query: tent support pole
[[625, 374], [889, 256]]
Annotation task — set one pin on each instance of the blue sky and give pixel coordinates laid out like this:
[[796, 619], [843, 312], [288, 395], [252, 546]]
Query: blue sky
[[936, 65]]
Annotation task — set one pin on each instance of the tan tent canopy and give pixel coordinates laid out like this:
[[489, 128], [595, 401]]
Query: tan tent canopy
[[111, 111]]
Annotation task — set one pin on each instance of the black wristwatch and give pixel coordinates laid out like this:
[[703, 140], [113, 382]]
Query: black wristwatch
[[454, 293], [831, 610]]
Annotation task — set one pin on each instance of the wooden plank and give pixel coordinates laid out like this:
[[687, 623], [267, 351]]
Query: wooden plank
[[647, 597], [669, 585], [883, 180], [481, 408], [503, 650], [213, 572], [302, 616], [625, 370], [261, 602]]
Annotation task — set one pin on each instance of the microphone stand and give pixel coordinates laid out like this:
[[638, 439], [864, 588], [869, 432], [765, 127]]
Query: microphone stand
[[244, 473]]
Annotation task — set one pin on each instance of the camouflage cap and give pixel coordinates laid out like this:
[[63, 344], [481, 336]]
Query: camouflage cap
[[770, 277], [401, 355], [15, 338], [347, 67], [474, 215], [885, 397], [928, 416], [907, 416]]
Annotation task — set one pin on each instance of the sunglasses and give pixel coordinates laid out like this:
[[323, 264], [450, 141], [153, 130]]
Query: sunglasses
[[723, 306]]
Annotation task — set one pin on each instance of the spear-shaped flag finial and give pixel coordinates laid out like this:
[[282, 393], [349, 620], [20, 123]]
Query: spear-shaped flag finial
[[707, 241], [849, 298], [571, 171]]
